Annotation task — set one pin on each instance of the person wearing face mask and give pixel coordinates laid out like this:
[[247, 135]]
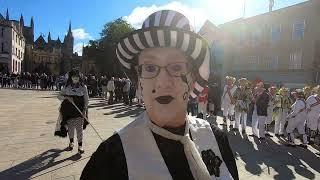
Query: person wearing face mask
[[73, 109], [164, 142]]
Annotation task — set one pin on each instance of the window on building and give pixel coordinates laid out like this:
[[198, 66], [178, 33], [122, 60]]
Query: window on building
[[275, 33], [237, 62], [13, 65], [254, 62], [16, 52], [256, 37], [295, 61], [2, 47], [2, 32], [298, 30], [272, 62], [240, 36]]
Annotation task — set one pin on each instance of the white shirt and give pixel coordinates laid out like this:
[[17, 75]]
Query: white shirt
[[312, 100]]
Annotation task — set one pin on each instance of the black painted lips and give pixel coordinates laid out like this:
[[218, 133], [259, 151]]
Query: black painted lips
[[164, 99]]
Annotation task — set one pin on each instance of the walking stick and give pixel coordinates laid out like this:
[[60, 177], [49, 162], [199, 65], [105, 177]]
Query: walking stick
[[85, 118]]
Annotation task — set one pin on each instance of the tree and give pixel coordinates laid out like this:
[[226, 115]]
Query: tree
[[113, 31], [102, 51]]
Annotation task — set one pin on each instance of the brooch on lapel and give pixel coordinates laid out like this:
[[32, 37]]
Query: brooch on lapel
[[212, 162]]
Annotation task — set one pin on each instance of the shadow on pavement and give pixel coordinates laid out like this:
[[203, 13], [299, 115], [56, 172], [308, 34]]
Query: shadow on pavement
[[267, 154], [48, 97], [130, 111], [103, 105], [39, 163], [27, 89]]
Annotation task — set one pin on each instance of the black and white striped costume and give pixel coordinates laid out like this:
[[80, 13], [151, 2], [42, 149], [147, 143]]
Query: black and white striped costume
[[69, 114], [167, 29]]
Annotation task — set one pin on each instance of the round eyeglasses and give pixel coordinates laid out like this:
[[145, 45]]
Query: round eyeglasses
[[149, 71]]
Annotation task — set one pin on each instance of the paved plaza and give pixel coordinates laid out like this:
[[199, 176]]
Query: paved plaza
[[28, 149]]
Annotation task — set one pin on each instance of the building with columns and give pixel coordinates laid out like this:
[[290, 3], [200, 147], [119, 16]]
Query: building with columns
[[13, 39]]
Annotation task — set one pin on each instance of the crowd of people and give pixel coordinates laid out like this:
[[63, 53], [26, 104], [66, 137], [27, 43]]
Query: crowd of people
[[241, 101], [28, 80], [114, 89], [266, 105]]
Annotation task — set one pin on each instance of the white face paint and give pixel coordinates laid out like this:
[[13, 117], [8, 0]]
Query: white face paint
[[165, 97], [75, 79]]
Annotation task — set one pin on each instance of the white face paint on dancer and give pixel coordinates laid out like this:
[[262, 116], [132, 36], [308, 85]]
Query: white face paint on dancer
[[165, 96], [75, 79]]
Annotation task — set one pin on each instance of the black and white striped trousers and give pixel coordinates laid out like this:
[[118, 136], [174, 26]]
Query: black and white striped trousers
[[75, 124]]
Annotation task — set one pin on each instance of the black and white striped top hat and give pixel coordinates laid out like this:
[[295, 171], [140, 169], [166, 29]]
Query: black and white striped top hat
[[167, 28]]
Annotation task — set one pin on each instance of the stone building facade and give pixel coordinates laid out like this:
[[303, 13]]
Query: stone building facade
[[12, 43], [20, 53], [281, 47]]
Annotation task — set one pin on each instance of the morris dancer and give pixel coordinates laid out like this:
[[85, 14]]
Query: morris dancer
[[243, 98], [297, 119], [313, 114], [227, 101]]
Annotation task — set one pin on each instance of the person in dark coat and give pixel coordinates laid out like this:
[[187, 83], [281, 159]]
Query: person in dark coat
[[73, 109], [261, 100]]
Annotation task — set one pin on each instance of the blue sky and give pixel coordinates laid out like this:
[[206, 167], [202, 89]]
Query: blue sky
[[88, 17]]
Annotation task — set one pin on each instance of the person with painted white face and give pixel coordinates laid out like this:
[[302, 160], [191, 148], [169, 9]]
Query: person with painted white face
[[164, 142], [75, 100]]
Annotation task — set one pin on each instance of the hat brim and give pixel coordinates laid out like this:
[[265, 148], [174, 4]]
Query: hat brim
[[189, 42]]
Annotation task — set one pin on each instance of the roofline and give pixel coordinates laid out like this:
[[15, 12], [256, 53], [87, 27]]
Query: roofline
[[266, 13]]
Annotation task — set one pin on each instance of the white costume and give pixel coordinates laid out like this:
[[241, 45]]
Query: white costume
[[297, 119], [313, 105], [282, 110], [140, 153], [226, 105]]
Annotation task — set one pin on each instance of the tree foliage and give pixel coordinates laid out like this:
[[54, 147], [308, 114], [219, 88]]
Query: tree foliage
[[113, 31], [102, 51]]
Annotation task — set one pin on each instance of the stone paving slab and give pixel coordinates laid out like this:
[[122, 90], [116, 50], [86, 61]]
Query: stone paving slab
[[28, 149]]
